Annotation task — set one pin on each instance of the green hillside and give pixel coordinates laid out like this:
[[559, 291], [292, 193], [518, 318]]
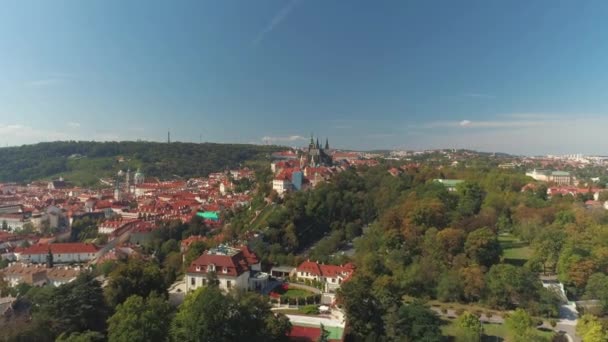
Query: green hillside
[[83, 163]]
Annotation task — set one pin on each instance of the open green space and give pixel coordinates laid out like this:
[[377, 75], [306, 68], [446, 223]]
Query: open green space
[[514, 251], [492, 331], [297, 293]]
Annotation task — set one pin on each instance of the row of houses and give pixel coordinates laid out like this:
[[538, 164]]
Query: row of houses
[[62, 253], [39, 275]]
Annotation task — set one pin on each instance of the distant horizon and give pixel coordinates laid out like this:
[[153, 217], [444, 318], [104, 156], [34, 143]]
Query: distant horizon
[[304, 145]]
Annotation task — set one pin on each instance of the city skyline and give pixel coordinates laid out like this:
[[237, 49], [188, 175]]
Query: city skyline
[[510, 77]]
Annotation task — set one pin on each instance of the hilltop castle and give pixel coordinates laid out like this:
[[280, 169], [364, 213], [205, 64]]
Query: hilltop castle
[[315, 155]]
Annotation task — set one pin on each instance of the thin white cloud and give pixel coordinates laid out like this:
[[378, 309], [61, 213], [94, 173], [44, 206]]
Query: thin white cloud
[[276, 20], [553, 133], [500, 124], [465, 123], [73, 124], [273, 140], [496, 124]]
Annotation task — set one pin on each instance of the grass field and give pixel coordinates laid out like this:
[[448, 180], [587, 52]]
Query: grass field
[[297, 293], [492, 332], [514, 251]]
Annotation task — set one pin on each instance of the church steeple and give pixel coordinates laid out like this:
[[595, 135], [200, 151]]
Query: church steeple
[[326, 143], [318, 146]]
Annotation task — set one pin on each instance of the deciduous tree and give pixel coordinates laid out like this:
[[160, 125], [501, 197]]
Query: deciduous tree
[[140, 319], [135, 277]]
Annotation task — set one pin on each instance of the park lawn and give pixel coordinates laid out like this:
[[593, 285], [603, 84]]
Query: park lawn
[[297, 293], [492, 332], [514, 251]]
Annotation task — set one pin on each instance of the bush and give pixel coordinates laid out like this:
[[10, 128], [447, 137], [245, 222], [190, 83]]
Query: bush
[[309, 310], [553, 322]]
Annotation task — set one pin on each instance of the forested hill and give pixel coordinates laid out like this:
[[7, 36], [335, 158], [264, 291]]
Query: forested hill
[[84, 162]]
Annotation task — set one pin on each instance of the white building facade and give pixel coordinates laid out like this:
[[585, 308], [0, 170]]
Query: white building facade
[[234, 268]]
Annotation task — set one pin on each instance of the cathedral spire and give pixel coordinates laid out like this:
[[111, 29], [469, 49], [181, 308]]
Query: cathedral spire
[[326, 144]]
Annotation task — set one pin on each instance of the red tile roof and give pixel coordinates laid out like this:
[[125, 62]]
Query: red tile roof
[[61, 248], [252, 259], [329, 271], [231, 265]]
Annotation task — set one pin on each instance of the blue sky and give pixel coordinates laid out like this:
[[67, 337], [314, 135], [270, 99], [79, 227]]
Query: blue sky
[[515, 76]]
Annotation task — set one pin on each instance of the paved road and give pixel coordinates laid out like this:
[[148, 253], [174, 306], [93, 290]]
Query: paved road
[[568, 319], [568, 315]]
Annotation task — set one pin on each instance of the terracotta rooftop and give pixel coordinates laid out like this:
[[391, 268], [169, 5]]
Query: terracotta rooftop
[[61, 248]]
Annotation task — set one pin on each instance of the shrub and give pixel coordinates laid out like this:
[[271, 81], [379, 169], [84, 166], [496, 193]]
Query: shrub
[[309, 310], [553, 322]]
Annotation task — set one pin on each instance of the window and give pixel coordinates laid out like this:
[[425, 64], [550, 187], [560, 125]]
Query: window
[[228, 284], [211, 268], [204, 282], [192, 281], [224, 269], [198, 268]]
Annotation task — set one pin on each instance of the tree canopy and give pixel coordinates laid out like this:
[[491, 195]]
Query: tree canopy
[[85, 162], [209, 315], [140, 319]]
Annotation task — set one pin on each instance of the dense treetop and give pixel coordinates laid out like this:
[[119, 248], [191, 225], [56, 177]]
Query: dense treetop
[[84, 162]]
